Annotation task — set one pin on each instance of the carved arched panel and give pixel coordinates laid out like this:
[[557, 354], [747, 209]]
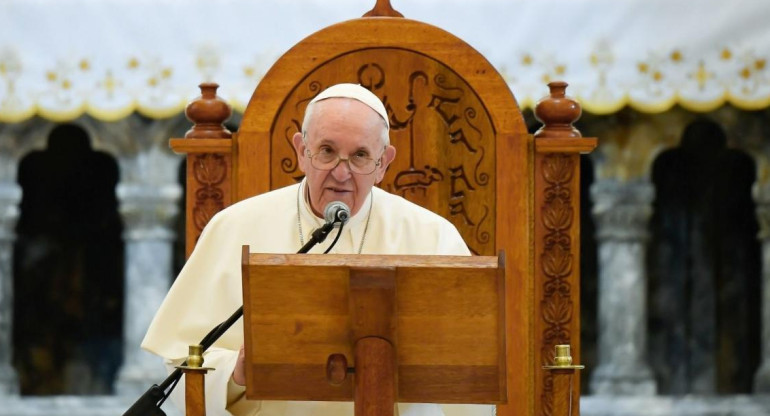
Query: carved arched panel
[[444, 136]]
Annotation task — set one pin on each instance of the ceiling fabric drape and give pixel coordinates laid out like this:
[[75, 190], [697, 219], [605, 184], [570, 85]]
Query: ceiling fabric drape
[[60, 59]]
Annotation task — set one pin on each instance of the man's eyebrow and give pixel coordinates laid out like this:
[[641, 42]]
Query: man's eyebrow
[[334, 144]]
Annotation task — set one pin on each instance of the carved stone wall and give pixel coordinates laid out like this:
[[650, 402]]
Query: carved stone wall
[[142, 153], [10, 196], [631, 143], [621, 212]]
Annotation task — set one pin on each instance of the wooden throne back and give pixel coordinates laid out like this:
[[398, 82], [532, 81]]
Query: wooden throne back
[[463, 152]]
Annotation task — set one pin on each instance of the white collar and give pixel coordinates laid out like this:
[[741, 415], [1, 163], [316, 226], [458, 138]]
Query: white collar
[[353, 232]]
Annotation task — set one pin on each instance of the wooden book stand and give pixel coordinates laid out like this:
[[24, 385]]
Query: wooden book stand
[[410, 329]]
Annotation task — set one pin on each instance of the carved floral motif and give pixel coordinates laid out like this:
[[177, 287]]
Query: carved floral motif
[[556, 261], [209, 171]]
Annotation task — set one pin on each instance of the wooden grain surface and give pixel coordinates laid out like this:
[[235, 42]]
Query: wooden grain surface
[[448, 335], [195, 399]]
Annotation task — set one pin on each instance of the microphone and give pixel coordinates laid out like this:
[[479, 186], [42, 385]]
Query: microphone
[[336, 212]]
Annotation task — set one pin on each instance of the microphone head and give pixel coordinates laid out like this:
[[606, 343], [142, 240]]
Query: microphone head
[[336, 211]]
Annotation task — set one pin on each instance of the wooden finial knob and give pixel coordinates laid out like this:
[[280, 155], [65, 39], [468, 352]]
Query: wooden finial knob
[[557, 112], [383, 8], [208, 112]]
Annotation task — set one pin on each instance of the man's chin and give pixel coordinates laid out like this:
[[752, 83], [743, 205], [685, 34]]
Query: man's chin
[[345, 198]]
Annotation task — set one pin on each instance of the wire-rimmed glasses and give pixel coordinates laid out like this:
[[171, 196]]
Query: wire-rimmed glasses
[[359, 162]]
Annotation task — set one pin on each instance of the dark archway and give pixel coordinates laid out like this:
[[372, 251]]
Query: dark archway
[[704, 267], [68, 269]]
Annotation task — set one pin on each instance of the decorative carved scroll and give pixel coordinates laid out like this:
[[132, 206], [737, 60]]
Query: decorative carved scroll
[[439, 126]]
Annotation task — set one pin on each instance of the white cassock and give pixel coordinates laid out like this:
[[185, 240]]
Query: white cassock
[[209, 288]]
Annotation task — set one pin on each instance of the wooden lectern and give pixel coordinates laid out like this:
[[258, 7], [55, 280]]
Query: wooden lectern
[[420, 329]]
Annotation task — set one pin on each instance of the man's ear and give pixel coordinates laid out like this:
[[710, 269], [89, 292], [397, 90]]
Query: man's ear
[[387, 156], [299, 147]]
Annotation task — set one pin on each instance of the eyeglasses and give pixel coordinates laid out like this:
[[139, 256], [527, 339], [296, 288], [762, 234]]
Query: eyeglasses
[[327, 159]]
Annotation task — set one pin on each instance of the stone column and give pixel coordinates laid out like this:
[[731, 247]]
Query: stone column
[[762, 200], [147, 211], [622, 212], [10, 196]]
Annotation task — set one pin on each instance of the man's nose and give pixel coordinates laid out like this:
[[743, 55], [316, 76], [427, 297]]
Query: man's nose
[[342, 172]]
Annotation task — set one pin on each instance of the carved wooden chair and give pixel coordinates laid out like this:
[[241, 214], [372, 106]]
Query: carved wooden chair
[[464, 152]]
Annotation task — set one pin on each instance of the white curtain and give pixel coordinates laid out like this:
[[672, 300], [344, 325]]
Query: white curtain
[[109, 58]]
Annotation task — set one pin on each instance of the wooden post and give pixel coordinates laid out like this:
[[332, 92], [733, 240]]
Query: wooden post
[[194, 392], [558, 146], [195, 385], [562, 382], [209, 148], [374, 392], [562, 373], [372, 307]]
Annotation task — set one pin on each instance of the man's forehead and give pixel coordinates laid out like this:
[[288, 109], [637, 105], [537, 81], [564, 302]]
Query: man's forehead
[[333, 141], [344, 112], [340, 142], [346, 108]]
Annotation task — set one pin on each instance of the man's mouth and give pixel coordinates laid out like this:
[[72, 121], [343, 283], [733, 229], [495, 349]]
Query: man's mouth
[[337, 189]]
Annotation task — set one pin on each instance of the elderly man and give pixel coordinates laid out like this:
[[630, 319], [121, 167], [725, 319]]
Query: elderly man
[[344, 150]]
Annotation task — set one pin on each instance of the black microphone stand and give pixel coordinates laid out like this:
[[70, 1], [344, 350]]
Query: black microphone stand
[[317, 237], [149, 403]]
